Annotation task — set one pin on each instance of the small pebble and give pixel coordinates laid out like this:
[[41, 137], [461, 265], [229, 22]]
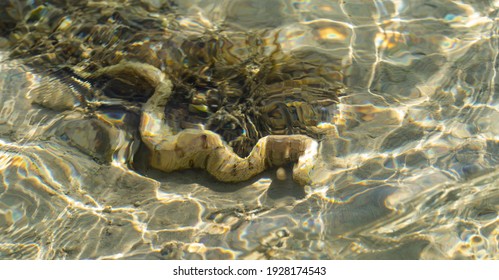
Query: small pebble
[[281, 174], [4, 43], [107, 209]]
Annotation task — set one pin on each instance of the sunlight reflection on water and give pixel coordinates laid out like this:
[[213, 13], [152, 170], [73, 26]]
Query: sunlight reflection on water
[[412, 173]]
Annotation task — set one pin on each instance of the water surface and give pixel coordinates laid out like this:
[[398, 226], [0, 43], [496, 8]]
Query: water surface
[[412, 175]]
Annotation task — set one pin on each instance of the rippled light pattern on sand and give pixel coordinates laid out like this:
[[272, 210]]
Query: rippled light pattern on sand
[[412, 174]]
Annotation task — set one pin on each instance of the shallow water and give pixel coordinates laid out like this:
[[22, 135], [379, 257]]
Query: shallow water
[[412, 175]]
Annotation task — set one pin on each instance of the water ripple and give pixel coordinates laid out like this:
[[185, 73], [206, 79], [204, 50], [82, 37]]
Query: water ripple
[[411, 174]]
